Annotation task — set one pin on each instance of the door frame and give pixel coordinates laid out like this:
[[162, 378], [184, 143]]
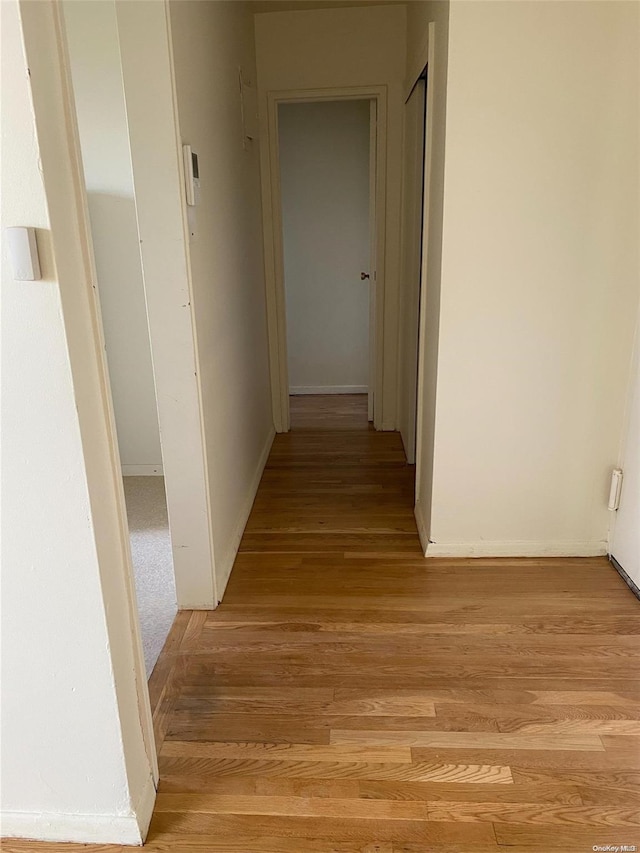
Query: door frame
[[274, 244]]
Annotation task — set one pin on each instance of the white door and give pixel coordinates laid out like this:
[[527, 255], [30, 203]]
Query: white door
[[625, 539], [324, 167], [373, 275], [412, 198]]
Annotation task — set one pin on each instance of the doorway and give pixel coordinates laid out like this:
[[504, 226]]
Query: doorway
[[278, 301], [96, 73], [326, 189]]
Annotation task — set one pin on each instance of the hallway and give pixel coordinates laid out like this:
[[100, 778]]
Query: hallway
[[349, 697], [346, 696]]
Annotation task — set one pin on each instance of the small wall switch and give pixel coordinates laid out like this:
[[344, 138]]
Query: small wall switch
[[23, 253]]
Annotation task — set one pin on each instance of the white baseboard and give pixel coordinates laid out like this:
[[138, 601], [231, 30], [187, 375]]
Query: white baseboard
[[87, 829], [328, 389], [563, 548], [142, 471], [144, 808], [128, 829], [223, 568], [422, 526]]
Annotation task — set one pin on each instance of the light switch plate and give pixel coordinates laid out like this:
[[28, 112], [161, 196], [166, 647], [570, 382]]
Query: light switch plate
[[23, 253]]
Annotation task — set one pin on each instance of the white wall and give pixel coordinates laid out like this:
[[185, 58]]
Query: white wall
[[625, 523], [92, 36], [324, 169], [539, 274], [348, 47], [77, 760], [210, 42]]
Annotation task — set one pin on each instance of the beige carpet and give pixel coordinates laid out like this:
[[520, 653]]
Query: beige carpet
[[152, 562]]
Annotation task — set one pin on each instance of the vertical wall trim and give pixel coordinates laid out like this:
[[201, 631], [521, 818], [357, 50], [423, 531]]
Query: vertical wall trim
[[147, 68]]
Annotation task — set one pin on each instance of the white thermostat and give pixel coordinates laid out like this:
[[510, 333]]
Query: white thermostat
[[191, 175]]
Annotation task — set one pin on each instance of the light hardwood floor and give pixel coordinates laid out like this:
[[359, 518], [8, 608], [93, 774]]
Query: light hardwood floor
[[350, 697]]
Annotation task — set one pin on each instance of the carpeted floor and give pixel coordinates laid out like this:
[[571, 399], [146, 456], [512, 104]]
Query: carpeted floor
[[152, 562]]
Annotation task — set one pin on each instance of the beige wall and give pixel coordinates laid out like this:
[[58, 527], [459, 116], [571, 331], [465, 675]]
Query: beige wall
[[539, 274], [210, 42], [351, 47]]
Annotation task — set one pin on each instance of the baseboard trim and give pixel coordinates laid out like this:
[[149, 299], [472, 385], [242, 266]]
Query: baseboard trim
[[422, 526], [587, 548], [144, 808], [223, 569], [633, 586], [142, 471], [296, 390], [82, 829], [130, 829]]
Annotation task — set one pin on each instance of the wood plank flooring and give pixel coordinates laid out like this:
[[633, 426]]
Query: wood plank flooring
[[350, 697]]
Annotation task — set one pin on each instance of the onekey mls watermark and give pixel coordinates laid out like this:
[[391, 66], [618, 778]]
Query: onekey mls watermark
[[615, 848]]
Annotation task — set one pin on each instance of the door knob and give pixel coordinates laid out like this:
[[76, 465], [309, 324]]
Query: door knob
[[364, 275]]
